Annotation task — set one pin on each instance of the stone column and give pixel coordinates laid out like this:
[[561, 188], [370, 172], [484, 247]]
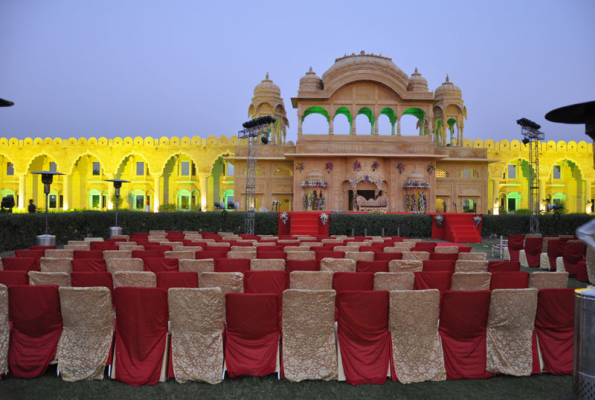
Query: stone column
[[353, 125], [588, 195], [331, 126], [111, 192], [156, 193], [399, 127], [22, 192], [204, 180], [421, 126], [542, 194], [376, 127], [66, 192], [495, 195], [299, 127]]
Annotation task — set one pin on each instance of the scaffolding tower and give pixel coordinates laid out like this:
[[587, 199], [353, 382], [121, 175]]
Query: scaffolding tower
[[253, 130], [533, 135]]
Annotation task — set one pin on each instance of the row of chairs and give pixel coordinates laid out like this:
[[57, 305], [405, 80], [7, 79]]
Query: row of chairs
[[548, 253], [427, 339]]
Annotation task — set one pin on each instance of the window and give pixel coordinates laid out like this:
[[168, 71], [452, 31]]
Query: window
[[193, 169], [95, 202], [53, 168], [139, 202], [140, 168], [441, 173], [9, 168], [185, 170], [184, 200], [53, 201], [512, 172], [96, 168], [469, 173], [557, 172]]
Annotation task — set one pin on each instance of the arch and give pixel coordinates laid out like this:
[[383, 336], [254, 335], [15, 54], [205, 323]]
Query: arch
[[345, 112], [571, 162], [317, 123], [175, 156], [183, 200], [558, 198], [9, 192], [316, 110], [369, 115], [94, 201], [43, 154], [123, 160], [88, 154], [513, 201], [195, 200], [137, 203], [392, 118], [419, 115]]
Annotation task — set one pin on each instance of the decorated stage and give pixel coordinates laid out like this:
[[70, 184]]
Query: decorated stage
[[453, 227]]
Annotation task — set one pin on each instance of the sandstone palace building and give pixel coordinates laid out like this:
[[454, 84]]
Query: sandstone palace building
[[439, 167]]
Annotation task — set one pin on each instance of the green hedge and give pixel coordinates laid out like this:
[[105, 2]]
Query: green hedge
[[511, 224], [418, 225], [18, 231]]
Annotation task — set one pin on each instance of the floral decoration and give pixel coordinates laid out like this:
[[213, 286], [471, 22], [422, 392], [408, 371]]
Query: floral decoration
[[375, 165], [477, 220], [329, 167], [401, 167], [431, 169], [378, 212], [366, 178], [324, 218], [416, 184], [439, 218], [284, 217], [357, 166], [299, 166], [315, 183]]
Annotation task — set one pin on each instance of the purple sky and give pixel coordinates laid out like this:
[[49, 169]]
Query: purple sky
[[148, 68]]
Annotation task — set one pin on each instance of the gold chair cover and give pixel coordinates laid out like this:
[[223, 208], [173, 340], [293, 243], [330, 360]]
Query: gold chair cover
[[311, 280], [396, 250], [251, 255], [228, 282], [360, 255], [204, 265], [86, 339], [413, 325], [545, 243], [472, 256], [125, 265], [267, 265], [78, 246], [220, 244], [109, 254], [59, 253], [49, 278], [337, 265], [340, 241], [548, 280], [590, 264], [471, 265], [78, 242], [309, 344], [471, 281], [346, 248], [197, 320], [301, 255], [403, 245], [93, 239], [416, 255], [55, 264], [446, 249], [394, 280], [405, 265], [135, 279], [4, 330], [131, 247], [180, 254], [511, 321]]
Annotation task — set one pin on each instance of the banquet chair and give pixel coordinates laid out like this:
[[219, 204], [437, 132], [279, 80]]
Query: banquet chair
[[73, 247], [49, 278], [89, 265], [228, 282], [337, 265], [471, 281], [108, 254], [87, 335], [161, 264], [574, 252], [471, 265], [502, 266], [473, 256], [180, 254], [139, 279], [85, 254], [302, 265], [531, 254], [4, 330], [549, 280], [19, 264], [93, 279], [267, 265], [446, 250], [301, 255], [176, 279], [360, 256], [59, 253], [9, 278], [311, 280], [200, 266], [438, 265], [416, 255], [509, 280], [232, 265], [320, 254], [388, 256], [433, 280], [114, 265], [242, 254], [394, 281], [516, 243], [55, 264], [371, 266], [266, 282], [416, 344], [405, 266]]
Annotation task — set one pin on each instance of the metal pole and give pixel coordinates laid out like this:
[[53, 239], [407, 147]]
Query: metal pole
[[117, 200], [46, 212]]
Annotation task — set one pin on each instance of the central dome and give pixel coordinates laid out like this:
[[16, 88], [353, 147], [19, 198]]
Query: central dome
[[267, 87]]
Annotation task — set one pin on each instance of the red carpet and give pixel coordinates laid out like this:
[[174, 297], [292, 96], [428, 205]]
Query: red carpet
[[304, 223], [460, 228]]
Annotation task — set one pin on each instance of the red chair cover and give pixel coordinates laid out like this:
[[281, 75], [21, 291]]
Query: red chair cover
[[424, 246], [343, 281], [29, 254], [266, 249], [444, 256], [271, 255], [146, 254], [387, 256], [89, 265], [509, 280], [20, 264], [363, 336], [203, 255], [433, 280], [463, 322], [374, 249], [195, 244], [176, 279], [371, 266], [162, 264], [93, 279], [266, 282], [87, 254], [158, 247], [515, 245], [554, 325], [439, 266], [36, 329], [232, 265], [9, 278], [533, 251], [386, 243], [501, 266], [42, 247], [141, 334], [103, 246], [329, 254], [555, 249], [302, 265], [220, 249], [581, 272], [572, 254], [252, 341]]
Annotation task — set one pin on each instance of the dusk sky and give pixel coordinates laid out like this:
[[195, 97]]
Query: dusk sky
[[183, 68]]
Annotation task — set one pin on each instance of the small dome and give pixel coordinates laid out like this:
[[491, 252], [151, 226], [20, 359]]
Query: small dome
[[310, 82], [447, 89], [416, 176], [417, 83], [267, 87]]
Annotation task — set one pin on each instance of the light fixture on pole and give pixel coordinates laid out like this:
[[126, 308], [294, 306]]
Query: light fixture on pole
[[47, 177], [533, 135], [116, 230]]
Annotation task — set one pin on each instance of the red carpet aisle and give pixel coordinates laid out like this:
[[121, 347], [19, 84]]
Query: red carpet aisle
[[457, 228], [304, 223]]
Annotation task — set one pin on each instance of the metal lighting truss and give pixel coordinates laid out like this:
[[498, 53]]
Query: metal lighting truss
[[533, 135]]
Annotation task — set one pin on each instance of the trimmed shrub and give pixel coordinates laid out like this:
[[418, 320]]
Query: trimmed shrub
[[19, 230], [416, 225], [512, 224]]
